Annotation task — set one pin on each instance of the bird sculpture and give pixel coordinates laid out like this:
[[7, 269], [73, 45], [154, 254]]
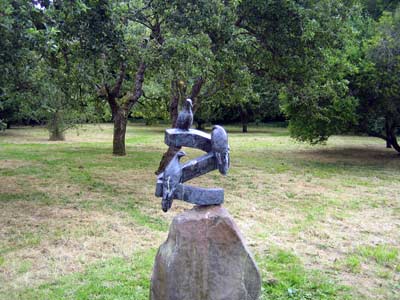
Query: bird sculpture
[[220, 148], [171, 178], [185, 117]]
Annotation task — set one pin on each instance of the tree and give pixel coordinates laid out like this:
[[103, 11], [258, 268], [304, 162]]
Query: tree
[[202, 59], [301, 50], [377, 84], [17, 18], [43, 78], [375, 8], [120, 40]]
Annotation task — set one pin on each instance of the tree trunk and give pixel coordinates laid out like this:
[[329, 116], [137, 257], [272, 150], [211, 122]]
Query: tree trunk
[[387, 130], [120, 122], [173, 112], [393, 139], [8, 125], [200, 125], [119, 111], [244, 119], [56, 127], [244, 127], [194, 95]]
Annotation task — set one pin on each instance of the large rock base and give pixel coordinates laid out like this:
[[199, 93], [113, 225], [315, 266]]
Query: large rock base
[[204, 258]]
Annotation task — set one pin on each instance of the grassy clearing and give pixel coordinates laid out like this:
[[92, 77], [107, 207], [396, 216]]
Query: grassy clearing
[[116, 278], [286, 278], [78, 223]]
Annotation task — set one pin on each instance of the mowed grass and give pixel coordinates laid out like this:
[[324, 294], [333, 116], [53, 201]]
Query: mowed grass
[[77, 223]]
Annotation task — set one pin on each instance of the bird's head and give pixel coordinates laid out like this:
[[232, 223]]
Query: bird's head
[[180, 154], [189, 103]]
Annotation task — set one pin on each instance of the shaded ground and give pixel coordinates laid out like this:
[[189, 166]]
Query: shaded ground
[[65, 207]]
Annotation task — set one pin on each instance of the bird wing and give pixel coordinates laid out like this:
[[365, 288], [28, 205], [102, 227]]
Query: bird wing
[[172, 177]]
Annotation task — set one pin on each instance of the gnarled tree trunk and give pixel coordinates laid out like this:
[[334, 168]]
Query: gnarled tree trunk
[[120, 122], [120, 111]]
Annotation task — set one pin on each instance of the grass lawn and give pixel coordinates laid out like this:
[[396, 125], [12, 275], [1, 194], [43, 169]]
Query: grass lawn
[[77, 223]]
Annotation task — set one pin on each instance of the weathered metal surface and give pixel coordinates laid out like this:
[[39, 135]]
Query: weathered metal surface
[[220, 148], [198, 166], [170, 185], [195, 195], [192, 169], [185, 117], [188, 138], [171, 178], [199, 196]]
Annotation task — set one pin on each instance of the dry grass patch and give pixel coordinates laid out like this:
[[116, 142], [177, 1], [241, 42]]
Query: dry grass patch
[[10, 185], [41, 243], [137, 181], [13, 163]]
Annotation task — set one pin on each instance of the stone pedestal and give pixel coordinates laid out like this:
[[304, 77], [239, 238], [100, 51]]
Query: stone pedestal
[[204, 258]]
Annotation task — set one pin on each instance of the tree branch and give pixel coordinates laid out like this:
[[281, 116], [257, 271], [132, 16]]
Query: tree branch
[[196, 88], [117, 87], [138, 88]]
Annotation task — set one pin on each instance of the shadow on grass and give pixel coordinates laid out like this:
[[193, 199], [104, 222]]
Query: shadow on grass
[[369, 158]]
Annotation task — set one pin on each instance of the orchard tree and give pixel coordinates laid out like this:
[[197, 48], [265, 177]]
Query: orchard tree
[[202, 60], [377, 84], [59, 79], [43, 78], [120, 40], [301, 50], [17, 18]]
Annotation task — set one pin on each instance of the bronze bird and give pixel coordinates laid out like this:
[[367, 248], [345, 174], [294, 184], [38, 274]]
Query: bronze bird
[[185, 117], [171, 178], [220, 148]]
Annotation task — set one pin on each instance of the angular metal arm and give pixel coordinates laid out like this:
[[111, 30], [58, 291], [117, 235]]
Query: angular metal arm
[[188, 138], [194, 168]]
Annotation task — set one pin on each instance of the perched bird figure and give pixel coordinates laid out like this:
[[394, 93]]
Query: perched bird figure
[[220, 148], [185, 117], [171, 178]]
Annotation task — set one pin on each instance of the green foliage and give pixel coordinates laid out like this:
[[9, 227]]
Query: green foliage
[[376, 84], [304, 58], [44, 80], [17, 20], [376, 8], [325, 65]]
